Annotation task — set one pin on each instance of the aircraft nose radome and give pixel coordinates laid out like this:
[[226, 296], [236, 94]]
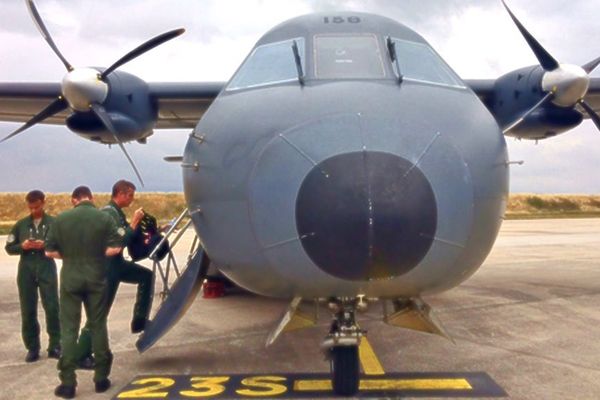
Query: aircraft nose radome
[[366, 215]]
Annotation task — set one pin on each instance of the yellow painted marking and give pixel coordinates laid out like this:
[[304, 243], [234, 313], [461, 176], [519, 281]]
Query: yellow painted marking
[[368, 359], [314, 385], [150, 391], [415, 384], [263, 386], [209, 386], [299, 321]]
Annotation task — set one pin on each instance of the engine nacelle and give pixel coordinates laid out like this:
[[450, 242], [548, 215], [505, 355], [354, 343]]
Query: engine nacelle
[[88, 126], [130, 107], [517, 92], [547, 122]]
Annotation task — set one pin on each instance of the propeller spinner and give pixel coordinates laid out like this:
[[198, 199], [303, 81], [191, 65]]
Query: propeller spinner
[[82, 87], [565, 84], [85, 89]]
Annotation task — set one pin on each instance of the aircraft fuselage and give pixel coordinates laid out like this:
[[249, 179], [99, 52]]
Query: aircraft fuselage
[[346, 185]]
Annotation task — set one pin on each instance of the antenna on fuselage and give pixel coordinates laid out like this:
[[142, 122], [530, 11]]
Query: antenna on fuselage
[[298, 63], [391, 45]]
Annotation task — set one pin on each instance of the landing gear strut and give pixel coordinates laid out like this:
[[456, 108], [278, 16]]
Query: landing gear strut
[[341, 347]]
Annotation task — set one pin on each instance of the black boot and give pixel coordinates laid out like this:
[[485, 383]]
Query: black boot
[[54, 353], [32, 356], [87, 363], [102, 386], [65, 391], [138, 325]]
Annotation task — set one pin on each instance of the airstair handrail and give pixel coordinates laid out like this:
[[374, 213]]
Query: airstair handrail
[[170, 232]]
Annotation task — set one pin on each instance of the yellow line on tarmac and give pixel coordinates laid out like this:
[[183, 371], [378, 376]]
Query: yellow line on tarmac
[[415, 384], [368, 359], [313, 385]]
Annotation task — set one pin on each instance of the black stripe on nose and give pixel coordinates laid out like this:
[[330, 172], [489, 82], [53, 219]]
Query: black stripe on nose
[[366, 215]]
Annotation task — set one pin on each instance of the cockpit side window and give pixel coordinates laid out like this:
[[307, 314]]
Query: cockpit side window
[[269, 64], [419, 62], [350, 56]]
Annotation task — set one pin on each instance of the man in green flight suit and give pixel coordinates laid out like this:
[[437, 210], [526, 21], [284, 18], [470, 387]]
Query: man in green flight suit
[[121, 270], [83, 237], [36, 272]]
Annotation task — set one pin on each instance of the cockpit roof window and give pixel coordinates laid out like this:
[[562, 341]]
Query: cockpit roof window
[[418, 62], [269, 64], [349, 56]]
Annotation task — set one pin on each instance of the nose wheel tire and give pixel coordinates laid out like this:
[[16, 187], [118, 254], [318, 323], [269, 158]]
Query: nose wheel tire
[[345, 370]]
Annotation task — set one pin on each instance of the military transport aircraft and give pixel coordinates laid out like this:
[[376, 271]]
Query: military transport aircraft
[[344, 163]]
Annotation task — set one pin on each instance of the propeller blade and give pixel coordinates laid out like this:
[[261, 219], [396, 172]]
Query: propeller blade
[[53, 108], [180, 298], [546, 60], [593, 115], [589, 67], [138, 51], [105, 118], [39, 23], [514, 124]]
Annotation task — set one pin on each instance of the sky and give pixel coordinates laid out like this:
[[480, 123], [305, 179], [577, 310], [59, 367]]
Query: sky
[[476, 37]]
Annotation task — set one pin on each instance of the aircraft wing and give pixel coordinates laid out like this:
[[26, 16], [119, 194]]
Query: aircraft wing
[[484, 88], [20, 101], [180, 104]]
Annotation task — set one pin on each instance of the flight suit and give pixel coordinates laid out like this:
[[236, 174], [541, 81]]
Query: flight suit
[[81, 236], [121, 270], [36, 272]]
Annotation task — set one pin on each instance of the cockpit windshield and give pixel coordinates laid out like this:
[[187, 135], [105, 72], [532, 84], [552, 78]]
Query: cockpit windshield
[[269, 64], [343, 56], [348, 56], [419, 62]]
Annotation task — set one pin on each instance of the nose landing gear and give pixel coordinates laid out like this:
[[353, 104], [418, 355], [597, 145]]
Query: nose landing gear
[[341, 346]]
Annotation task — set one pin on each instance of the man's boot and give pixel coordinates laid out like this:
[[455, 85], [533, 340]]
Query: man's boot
[[138, 325], [102, 386], [65, 391], [32, 356]]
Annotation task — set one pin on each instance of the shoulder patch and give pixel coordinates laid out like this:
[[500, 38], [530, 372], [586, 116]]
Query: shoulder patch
[[11, 239], [121, 231]]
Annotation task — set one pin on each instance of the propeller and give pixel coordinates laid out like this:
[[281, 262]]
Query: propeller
[[593, 115], [85, 89], [546, 60], [589, 67], [565, 84], [518, 121], [39, 23], [138, 51], [105, 118], [55, 107]]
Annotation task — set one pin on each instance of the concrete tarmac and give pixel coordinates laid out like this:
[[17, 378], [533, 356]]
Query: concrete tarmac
[[530, 318]]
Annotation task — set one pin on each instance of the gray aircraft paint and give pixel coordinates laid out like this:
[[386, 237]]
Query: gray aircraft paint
[[255, 147]]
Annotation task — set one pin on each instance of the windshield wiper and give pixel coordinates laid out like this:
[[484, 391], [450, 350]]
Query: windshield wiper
[[298, 62], [391, 45]]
